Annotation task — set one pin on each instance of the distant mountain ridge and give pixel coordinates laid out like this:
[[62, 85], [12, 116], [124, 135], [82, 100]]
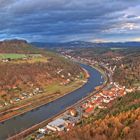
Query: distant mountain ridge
[[86, 44]]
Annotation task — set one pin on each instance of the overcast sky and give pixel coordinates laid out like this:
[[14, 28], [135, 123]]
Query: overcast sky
[[68, 20]]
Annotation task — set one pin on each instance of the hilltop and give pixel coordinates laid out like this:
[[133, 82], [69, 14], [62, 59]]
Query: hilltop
[[16, 46]]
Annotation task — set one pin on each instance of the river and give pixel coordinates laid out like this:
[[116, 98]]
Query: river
[[22, 122]]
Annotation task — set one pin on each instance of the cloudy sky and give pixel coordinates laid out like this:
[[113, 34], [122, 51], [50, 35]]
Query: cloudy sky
[[68, 20]]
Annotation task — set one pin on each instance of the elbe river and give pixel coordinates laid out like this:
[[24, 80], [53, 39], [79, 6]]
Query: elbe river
[[22, 122]]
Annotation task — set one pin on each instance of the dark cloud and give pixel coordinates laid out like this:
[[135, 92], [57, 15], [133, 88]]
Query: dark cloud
[[65, 20]]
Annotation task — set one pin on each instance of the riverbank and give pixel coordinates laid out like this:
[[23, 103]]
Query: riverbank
[[43, 99], [39, 125]]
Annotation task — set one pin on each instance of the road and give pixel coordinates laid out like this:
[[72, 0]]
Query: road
[[22, 122]]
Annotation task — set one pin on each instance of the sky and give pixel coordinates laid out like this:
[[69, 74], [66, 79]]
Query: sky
[[70, 20]]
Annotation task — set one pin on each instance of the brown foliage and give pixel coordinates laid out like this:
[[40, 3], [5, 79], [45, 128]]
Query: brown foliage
[[110, 128]]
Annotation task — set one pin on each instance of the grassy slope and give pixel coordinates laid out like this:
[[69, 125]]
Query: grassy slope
[[12, 56]]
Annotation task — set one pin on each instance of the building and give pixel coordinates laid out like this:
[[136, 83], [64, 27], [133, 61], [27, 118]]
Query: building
[[57, 125]]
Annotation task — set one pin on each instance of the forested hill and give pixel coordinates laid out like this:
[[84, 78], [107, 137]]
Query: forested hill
[[17, 46], [24, 67]]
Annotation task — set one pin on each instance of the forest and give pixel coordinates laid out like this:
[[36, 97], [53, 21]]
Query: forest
[[39, 69], [121, 121]]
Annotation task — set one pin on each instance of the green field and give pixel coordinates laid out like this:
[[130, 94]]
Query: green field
[[117, 48], [12, 56], [17, 56]]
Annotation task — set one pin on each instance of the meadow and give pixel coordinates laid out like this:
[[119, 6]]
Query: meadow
[[11, 56]]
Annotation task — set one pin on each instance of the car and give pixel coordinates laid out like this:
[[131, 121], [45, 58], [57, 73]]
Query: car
[[39, 136]]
